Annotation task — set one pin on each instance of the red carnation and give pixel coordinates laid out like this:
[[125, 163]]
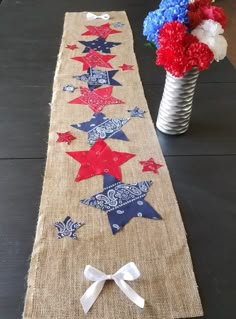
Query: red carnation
[[195, 14], [199, 55], [172, 31], [214, 13]]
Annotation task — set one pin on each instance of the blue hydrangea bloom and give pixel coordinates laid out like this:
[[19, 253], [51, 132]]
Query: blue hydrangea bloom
[[169, 10]]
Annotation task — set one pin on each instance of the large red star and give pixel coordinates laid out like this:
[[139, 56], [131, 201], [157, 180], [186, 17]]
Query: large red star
[[71, 47], [150, 165], [65, 137], [100, 159], [126, 67], [94, 58], [96, 99], [102, 31]]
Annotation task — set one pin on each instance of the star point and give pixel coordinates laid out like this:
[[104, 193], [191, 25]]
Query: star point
[[94, 58], [96, 99], [102, 31], [150, 165], [66, 137], [122, 202], [100, 159]]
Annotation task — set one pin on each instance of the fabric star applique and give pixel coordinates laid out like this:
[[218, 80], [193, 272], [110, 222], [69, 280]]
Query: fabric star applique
[[102, 31], [94, 58], [96, 99], [136, 112], [67, 228], [150, 165], [99, 44], [102, 127], [71, 47], [126, 67], [122, 202], [69, 88], [65, 137], [96, 78], [118, 24], [100, 159]]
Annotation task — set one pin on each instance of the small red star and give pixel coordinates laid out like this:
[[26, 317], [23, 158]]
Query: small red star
[[126, 67], [71, 47], [98, 160], [150, 165], [65, 137], [102, 31], [94, 58], [96, 99]]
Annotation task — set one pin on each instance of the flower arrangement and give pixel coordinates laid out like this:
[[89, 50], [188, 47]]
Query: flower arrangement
[[187, 34]]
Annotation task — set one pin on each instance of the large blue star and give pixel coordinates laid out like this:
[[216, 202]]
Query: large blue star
[[99, 44], [96, 78], [102, 127], [122, 202]]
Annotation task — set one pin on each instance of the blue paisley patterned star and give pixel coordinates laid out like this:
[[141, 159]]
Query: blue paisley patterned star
[[99, 44], [122, 202], [102, 127], [67, 228], [96, 78]]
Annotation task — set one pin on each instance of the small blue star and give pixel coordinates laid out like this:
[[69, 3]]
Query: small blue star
[[136, 112], [67, 228], [122, 202], [69, 88], [118, 24]]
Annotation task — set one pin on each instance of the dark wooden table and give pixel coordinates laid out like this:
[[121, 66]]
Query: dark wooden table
[[202, 163]]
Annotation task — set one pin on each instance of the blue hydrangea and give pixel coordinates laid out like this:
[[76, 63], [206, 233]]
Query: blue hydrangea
[[169, 10]]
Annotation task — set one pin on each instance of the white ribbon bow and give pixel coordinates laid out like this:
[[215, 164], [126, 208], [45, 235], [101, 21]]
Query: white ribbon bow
[[92, 16], [128, 272]]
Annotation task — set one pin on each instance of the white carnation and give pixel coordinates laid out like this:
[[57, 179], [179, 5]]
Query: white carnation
[[210, 33]]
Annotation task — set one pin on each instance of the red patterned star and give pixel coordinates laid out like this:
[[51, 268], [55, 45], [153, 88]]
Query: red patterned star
[[98, 160], [96, 99], [126, 67], [94, 58], [71, 47], [102, 31], [65, 137], [150, 165]]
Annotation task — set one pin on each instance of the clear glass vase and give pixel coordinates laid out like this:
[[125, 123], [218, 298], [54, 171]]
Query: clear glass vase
[[176, 104]]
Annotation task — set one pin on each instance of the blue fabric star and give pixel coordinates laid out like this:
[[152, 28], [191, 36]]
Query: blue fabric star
[[67, 228], [102, 127], [99, 44], [136, 112], [69, 88], [118, 24], [96, 78], [122, 202]]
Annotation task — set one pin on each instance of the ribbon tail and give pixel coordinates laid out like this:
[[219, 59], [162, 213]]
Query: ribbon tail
[[130, 293], [91, 294]]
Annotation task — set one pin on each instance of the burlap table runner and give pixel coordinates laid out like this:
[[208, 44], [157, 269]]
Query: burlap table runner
[[158, 247]]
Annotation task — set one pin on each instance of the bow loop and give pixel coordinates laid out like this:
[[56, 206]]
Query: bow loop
[[127, 272], [92, 16]]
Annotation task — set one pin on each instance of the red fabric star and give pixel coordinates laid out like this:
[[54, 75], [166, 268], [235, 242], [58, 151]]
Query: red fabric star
[[126, 67], [71, 47], [94, 58], [96, 99], [98, 160], [150, 165], [65, 137], [102, 31]]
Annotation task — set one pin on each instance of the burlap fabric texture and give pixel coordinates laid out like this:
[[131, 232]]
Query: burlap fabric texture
[[158, 247]]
